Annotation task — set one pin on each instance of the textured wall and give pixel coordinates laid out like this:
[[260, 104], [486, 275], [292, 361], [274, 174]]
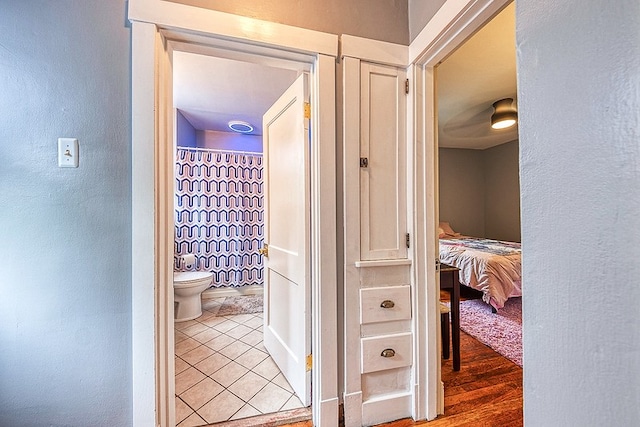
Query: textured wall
[[65, 322], [229, 141], [385, 20], [479, 191], [420, 13], [579, 109], [502, 192], [462, 190]]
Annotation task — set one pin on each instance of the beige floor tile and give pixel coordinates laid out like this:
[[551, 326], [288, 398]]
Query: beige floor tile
[[220, 342], [239, 331], [187, 379], [267, 369], [247, 386], [180, 365], [254, 322], [251, 358], [221, 407], [179, 336], [281, 381], [235, 349], [197, 354], [240, 318], [206, 315], [182, 410], [292, 403], [211, 303], [213, 321], [225, 326], [201, 393], [260, 346], [245, 412], [212, 363], [193, 421], [229, 373], [183, 325], [270, 399], [194, 329], [252, 338], [186, 345], [207, 335]]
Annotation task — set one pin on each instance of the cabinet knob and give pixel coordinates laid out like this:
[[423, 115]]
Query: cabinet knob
[[388, 352], [387, 304]]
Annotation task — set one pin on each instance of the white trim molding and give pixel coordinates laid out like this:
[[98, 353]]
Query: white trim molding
[[454, 23], [374, 51], [158, 29]]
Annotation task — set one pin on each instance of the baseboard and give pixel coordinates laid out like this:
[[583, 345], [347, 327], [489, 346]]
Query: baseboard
[[232, 292]]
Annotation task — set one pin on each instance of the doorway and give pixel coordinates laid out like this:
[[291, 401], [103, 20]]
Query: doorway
[[153, 344], [236, 194]]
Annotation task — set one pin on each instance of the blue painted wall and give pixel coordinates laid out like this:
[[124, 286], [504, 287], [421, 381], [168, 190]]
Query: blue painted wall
[[65, 279], [185, 132]]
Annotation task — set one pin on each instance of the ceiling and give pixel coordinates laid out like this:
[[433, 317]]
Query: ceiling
[[481, 72], [212, 91]]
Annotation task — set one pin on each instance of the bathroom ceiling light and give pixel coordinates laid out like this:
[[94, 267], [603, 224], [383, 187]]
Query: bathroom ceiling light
[[240, 126], [505, 115]]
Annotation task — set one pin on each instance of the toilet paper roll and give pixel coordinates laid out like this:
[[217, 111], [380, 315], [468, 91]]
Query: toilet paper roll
[[188, 261]]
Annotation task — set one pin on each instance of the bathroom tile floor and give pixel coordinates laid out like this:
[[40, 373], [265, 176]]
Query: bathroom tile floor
[[223, 371]]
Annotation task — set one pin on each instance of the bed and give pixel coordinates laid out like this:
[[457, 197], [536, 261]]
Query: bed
[[493, 267]]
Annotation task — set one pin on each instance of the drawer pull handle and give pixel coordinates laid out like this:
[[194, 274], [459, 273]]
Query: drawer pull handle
[[388, 352], [387, 304]]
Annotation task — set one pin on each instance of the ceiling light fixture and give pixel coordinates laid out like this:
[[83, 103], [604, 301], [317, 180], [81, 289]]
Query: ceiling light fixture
[[240, 126], [505, 115]]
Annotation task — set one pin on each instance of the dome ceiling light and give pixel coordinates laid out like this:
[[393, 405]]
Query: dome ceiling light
[[505, 114], [240, 126]]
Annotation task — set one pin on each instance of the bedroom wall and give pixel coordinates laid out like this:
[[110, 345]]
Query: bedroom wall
[[480, 191], [578, 103], [502, 192], [462, 190], [385, 20], [65, 311]]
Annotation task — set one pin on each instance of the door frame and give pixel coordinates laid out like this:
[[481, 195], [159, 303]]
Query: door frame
[[451, 26], [159, 28]]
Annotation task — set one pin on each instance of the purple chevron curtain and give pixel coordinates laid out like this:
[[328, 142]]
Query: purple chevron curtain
[[219, 214]]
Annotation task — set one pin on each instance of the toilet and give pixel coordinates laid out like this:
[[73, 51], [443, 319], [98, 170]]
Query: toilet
[[187, 289]]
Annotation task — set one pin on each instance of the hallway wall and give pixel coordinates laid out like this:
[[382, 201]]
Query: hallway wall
[[65, 311]]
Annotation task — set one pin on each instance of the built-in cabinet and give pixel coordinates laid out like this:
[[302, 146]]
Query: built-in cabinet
[[379, 340]]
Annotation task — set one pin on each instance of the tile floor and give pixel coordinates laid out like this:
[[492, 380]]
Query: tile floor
[[223, 371]]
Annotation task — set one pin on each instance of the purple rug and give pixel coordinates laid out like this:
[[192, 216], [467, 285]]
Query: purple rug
[[501, 331]]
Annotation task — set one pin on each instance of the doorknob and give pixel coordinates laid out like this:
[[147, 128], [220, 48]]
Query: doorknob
[[264, 250]]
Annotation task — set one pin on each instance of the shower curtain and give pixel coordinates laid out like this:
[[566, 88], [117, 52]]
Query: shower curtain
[[219, 214]]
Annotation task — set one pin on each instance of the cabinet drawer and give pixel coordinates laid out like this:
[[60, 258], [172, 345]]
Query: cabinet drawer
[[396, 299], [386, 352]]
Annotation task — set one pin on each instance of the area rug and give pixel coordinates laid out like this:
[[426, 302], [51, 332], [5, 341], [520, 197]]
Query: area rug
[[502, 331], [241, 305]]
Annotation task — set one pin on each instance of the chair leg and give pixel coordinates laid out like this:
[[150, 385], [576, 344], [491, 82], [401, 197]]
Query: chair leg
[[444, 332]]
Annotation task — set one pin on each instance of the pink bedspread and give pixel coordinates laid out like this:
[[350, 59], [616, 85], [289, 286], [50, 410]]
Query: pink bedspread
[[491, 266]]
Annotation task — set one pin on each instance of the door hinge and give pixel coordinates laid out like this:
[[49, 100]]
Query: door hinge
[[364, 162], [307, 110], [406, 86], [309, 361], [408, 240]]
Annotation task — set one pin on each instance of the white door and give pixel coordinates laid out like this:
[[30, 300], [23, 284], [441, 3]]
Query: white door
[[287, 290]]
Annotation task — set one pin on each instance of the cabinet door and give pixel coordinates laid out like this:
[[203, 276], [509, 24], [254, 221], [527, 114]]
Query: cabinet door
[[383, 201]]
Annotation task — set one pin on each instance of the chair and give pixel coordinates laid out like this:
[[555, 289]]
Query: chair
[[444, 329]]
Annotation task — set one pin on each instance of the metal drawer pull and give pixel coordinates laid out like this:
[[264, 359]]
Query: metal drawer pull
[[387, 304], [388, 352]]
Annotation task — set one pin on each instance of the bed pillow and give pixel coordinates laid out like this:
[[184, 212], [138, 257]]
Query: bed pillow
[[445, 230]]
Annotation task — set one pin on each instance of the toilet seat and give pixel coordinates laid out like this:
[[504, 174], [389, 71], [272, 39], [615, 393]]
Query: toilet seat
[[186, 279]]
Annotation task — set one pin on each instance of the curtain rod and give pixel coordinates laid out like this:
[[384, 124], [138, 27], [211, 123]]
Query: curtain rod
[[217, 150]]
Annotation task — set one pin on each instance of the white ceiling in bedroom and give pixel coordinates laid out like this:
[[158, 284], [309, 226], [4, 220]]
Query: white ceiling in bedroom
[[481, 72]]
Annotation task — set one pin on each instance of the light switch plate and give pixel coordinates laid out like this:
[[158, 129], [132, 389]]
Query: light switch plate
[[67, 152]]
